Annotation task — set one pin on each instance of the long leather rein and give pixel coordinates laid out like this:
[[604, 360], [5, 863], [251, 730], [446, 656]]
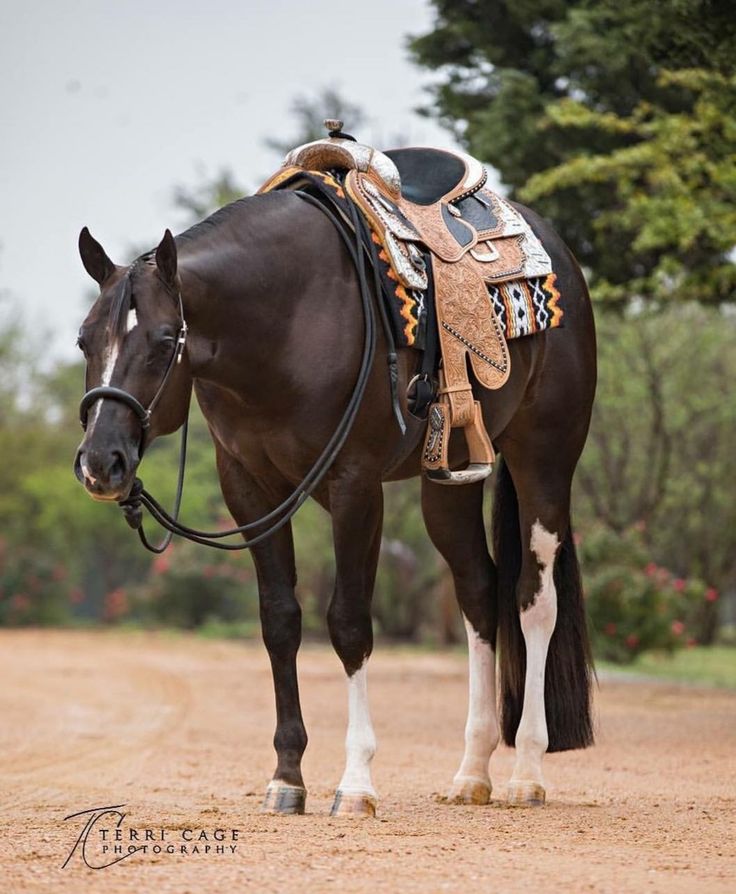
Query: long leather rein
[[140, 498]]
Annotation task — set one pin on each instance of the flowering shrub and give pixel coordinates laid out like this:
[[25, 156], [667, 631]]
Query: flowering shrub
[[633, 604], [34, 589], [189, 585]]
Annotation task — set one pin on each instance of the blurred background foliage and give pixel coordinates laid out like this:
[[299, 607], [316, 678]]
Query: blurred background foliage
[[616, 120]]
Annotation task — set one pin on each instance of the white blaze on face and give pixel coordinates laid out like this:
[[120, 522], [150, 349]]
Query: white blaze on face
[[481, 729], [537, 624], [111, 358], [360, 743], [132, 321]]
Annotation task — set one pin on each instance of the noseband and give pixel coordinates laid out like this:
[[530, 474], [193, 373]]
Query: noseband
[[143, 414]]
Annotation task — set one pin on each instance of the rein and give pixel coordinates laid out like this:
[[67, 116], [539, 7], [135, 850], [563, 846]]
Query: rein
[[140, 498]]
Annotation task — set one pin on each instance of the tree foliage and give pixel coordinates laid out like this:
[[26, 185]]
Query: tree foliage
[[617, 117]]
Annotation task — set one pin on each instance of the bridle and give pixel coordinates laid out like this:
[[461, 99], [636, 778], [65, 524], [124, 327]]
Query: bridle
[[133, 504], [142, 413]]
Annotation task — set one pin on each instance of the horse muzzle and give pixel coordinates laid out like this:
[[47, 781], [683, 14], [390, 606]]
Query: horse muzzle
[[107, 474]]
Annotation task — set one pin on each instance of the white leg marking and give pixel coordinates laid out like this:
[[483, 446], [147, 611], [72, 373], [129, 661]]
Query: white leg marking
[[537, 624], [111, 358], [481, 729], [360, 743]]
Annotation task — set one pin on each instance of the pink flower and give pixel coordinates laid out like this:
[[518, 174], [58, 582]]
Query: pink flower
[[678, 628], [651, 569], [20, 602], [610, 629], [711, 594], [679, 584], [632, 640], [116, 604], [691, 642], [161, 564]]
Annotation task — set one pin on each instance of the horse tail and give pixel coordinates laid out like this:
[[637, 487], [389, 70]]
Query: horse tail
[[569, 669]]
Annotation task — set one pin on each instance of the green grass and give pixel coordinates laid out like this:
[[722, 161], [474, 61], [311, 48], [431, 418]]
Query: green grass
[[706, 665]]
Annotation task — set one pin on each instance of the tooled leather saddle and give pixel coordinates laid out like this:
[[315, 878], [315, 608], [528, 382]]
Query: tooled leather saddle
[[422, 199]]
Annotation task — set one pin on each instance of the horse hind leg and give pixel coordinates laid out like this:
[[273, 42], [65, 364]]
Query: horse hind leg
[[454, 520], [357, 516], [544, 649]]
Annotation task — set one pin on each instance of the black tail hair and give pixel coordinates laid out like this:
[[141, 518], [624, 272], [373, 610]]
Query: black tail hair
[[568, 678]]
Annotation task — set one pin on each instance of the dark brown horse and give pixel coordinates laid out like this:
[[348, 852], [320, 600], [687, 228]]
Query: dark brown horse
[[271, 299]]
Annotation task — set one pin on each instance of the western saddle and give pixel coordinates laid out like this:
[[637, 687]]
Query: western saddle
[[433, 199]]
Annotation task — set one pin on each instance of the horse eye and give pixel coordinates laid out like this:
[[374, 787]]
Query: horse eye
[[81, 345]]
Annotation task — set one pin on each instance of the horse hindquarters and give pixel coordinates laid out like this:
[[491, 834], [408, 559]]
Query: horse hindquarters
[[545, 665]]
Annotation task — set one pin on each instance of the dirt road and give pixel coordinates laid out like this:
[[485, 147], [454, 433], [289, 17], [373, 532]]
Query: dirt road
[[179, 731]]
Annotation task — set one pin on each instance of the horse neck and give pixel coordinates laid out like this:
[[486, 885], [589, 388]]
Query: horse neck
[[243, 272]]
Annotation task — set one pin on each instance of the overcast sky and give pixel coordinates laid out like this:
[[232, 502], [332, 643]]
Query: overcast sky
[[106, 106]]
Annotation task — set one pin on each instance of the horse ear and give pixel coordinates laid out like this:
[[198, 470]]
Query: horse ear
[[95, 261], [166, 258]]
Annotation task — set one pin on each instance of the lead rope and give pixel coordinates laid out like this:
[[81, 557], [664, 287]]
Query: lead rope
[[139, 497]]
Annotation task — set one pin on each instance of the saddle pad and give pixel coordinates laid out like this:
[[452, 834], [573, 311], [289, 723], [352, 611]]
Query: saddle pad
[[524, 305]]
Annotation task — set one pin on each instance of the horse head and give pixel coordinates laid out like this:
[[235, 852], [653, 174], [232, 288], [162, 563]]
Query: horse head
[[137, 377]]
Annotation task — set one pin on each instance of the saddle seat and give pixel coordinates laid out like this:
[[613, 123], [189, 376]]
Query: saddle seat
[[436, 175], [422, 200]]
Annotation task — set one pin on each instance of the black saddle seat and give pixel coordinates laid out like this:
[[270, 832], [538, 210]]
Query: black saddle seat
[[427, 175]]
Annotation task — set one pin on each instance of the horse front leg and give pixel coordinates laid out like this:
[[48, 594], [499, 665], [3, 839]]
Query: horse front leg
[[281, 623], [357, 516]]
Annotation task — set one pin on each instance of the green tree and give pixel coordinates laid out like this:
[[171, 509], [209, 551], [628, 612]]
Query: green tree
[[532, 86], [660, 454]]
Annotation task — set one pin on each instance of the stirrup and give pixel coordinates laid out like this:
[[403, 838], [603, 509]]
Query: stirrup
[[436, 444]]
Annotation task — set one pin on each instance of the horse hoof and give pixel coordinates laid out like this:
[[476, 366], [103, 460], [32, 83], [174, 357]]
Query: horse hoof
[[284, 798], [526, 794], [469, 791], [346, 804]]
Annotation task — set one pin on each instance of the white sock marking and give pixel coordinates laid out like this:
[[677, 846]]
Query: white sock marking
[[481, 729], [537, 624], [360, 742]]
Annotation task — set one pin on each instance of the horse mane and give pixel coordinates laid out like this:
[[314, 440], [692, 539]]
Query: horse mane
[[215, 220], [123, 298]]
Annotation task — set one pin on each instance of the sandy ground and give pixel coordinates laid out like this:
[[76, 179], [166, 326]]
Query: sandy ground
[[179, 731]]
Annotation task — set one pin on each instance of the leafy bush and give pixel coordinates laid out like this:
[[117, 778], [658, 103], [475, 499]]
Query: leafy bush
[[189, 585], [633, 604], [34, 589]]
